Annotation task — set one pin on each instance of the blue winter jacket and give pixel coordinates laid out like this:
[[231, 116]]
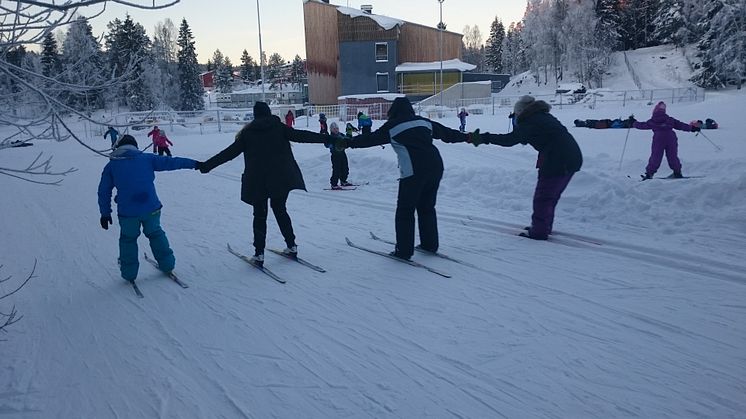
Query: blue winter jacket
[[132, 172]]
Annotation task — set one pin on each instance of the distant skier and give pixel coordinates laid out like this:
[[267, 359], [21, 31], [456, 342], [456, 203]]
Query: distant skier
[[322, 124], [340, 164], [290, 118], [113, 135], [364, 123], [559, 158], [161, 143], [270, 172], [132, 173], [154, 133], [462, 118], [664, 140], [421, 169], [350, 129]]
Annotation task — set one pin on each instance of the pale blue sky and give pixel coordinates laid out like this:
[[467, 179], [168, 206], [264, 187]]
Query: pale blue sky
[[231, 25]]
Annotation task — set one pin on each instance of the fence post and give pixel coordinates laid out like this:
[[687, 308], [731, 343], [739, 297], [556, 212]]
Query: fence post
[[220, 126], [624, 99], [673, 95], [493, 106], [651, 96]]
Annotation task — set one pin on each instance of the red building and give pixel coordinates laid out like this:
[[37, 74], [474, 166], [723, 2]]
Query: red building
[[208, 79]]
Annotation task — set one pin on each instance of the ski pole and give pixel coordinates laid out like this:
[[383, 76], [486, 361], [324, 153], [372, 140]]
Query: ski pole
[[625, 147], [717, 147]]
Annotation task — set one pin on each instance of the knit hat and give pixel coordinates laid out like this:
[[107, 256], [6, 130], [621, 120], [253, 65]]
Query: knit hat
[[659, 108], [523, 103], [333, 126], [261, 109], [127, 140]]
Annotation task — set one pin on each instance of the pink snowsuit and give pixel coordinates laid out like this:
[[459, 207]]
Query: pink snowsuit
[[664, 139], [160, 142]]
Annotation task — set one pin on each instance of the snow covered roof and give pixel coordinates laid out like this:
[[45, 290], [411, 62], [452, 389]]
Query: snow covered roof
[[454, 64], [386, 96], [383, 21]]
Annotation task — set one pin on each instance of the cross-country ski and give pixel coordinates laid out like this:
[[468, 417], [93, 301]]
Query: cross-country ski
[[160, 136], [262, 268]]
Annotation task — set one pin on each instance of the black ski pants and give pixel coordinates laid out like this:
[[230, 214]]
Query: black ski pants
[[417, 193], [278, 203], [340, 168]]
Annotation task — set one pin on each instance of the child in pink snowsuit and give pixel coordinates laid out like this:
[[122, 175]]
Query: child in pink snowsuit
[[161, 143], [664, 140]]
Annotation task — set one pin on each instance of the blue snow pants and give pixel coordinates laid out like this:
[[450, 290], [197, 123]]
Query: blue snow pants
[[128, 254]]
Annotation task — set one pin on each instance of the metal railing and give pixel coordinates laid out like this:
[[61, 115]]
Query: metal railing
[[231, 120]]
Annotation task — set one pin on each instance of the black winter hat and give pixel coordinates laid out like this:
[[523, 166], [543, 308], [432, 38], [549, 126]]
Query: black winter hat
[[261, 109], [127, 139]]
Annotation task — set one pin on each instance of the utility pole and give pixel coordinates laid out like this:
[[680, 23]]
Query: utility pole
[[261, 52], [440, 26]]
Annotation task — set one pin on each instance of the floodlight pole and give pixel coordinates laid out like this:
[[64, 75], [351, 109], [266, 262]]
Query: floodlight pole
[[440, 26], [261, 51]]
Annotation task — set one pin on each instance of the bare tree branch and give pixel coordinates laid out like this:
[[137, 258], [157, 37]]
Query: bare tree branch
[[36, 106], [11, 317]]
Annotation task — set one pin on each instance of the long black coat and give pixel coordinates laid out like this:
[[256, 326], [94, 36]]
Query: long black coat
[[559, 154], [270, 167]]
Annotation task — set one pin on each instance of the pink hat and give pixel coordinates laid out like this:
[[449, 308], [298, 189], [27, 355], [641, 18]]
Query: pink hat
[[659, 108]]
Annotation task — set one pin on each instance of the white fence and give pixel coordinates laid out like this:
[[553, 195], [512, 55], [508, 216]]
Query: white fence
[[231, 120]]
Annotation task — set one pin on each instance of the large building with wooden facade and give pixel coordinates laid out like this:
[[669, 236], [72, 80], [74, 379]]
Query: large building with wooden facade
[[355, 52]]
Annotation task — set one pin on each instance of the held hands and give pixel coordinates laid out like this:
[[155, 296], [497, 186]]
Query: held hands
[[631, 120], [475, 138], [106, 221], [696, 129], [200, 165]]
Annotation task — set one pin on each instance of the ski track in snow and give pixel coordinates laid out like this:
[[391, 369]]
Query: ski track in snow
[[648, 323]]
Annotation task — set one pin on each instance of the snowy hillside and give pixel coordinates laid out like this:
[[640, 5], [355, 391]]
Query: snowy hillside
[[660, 67], [635, 308]]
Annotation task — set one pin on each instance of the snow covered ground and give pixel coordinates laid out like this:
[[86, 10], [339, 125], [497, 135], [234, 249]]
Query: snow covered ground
[[648, 323]]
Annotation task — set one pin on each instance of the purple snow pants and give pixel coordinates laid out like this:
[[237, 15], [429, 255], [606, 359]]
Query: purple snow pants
[[547, 194], [668, 145]]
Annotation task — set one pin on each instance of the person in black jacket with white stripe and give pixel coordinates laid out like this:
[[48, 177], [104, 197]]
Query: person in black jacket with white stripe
[[421, 169]]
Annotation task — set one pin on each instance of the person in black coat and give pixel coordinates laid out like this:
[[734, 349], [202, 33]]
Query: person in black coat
[[270, 173], [421, 169], [559, 158]]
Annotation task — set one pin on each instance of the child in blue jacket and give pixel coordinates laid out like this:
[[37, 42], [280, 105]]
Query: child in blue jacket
[[132, 173]]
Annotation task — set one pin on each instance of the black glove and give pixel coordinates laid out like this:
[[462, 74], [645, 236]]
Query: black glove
[[201, 166], [105, 221], [475, 138], [631, 119], [696, 129], [511, 115]]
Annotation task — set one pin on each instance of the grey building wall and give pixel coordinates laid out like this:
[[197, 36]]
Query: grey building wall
[[358, 67]]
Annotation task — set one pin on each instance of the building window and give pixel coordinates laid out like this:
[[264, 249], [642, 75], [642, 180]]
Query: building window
[[382, 52], [382, 81]]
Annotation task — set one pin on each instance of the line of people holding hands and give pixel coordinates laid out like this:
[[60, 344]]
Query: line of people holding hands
[[271, 172]]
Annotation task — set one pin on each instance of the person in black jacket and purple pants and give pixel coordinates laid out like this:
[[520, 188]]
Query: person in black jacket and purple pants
[[559, 158]]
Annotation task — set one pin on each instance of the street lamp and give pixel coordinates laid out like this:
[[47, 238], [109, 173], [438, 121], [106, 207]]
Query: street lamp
[[440, 27], [261, 51]]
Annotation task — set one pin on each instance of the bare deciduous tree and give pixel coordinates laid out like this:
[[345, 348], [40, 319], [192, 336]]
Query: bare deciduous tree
[[32, 105]]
